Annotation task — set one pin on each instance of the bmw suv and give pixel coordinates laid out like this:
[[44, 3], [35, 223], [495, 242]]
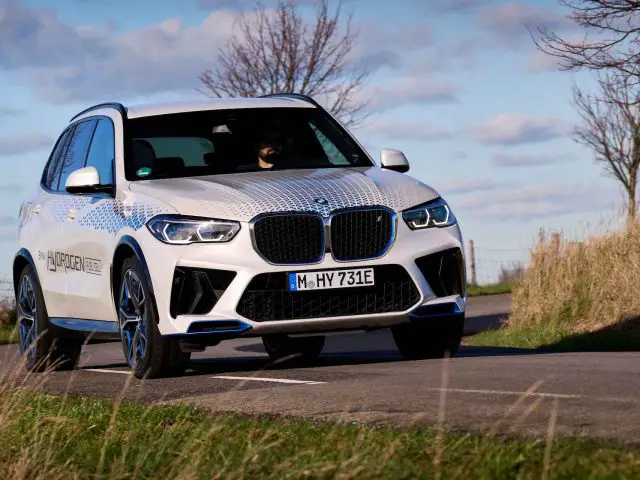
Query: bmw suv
[[173, 227]]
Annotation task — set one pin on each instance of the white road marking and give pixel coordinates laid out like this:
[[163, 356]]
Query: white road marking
[[103, 370], [274, 380], [508, 392]]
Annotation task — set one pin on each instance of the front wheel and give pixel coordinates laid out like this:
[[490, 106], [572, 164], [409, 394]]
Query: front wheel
[[148, 353], [429, 338], [284, 347]]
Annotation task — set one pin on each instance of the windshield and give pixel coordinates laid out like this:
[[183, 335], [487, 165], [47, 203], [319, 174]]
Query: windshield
[[243, 140]]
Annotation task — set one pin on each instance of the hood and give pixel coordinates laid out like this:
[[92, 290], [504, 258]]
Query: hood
[[242, 196]]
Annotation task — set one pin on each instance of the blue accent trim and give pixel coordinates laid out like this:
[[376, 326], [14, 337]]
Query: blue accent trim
[[292, 282], [424, 310], [87, 326], [242, 327]]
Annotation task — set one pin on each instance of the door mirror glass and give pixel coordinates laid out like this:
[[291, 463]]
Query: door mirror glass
[[83, 180], [394, 160]]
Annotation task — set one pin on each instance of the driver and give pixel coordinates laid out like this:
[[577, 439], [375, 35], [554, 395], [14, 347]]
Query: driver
[[269, 147]]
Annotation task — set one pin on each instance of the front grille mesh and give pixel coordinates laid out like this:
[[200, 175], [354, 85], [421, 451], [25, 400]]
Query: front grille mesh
[[267, 297], [296, 238], [361, 234], [290, 238]]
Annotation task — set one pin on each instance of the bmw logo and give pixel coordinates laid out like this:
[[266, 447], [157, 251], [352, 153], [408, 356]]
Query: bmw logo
[[321, 201]]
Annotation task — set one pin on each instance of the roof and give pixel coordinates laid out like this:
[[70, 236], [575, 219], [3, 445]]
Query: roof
[[151, 109]]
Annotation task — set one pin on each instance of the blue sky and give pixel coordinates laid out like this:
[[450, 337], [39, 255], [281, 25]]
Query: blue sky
[[459, 87]]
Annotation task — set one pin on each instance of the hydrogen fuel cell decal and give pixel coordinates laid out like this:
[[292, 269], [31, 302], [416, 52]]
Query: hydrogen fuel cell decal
[[59, 261]]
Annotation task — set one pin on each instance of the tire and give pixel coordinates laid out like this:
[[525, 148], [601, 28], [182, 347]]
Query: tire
[[41, 348], [148, 353], [283, 347], [429, 338]]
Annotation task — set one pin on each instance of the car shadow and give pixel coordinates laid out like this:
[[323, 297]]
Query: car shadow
[[253, 364], [623, 335]]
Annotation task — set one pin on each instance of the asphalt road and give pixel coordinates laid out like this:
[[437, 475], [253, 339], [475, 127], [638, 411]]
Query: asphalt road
[[362, 378]]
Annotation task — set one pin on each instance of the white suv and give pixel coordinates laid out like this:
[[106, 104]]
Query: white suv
[[173, 227]]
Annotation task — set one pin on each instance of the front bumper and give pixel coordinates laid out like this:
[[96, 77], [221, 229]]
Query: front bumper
[[240, 257]]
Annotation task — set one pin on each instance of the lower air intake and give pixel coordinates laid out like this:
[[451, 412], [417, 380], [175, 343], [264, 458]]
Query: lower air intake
[[267, 297], [196, 291], [444, 272]]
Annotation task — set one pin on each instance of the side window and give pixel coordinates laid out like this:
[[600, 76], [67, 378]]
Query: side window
[[334, 155], [76, 154], [102, 151], [49, 175]]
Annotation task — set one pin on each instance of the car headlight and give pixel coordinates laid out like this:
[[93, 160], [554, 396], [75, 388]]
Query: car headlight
[[435, 213], [176, 229]]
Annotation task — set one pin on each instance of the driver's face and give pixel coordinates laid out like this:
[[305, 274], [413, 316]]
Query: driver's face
[[269, 147]]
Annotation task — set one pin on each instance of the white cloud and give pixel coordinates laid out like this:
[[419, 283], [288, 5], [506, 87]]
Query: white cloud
[[27, 142], [405, 131], [466, 186], [65, 63], [410, 90], [551, 199], [514, 129], [525, 159], [542, 62], [511, 21]]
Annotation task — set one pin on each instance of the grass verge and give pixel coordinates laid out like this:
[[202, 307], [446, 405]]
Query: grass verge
[[491, 289], [57, 438]]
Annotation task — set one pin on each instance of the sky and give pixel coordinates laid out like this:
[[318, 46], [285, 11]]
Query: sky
[[457, 85]]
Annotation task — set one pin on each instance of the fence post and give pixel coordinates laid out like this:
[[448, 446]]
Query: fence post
[[472, 262]]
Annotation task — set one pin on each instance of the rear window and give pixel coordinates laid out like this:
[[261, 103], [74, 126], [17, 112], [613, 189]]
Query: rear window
[[234, 141]]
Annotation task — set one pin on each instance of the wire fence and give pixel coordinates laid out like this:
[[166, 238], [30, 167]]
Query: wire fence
[[496, 265]]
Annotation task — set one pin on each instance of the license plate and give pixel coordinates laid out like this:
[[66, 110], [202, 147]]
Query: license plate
[[322, 280]]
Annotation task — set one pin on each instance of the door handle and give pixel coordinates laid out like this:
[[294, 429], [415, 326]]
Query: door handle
[[72, 214], [36, 209]]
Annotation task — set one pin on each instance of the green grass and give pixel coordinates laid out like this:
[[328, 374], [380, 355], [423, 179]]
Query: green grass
[[8, 334], [491, 289], [624, 336], [47, 436], [535, 337]]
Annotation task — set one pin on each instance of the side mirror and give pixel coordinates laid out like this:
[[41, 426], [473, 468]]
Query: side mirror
[[394, 160], [83, 180]]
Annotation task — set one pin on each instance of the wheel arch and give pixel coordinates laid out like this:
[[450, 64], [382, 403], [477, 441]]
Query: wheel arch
[[21, 260], [127, 247]]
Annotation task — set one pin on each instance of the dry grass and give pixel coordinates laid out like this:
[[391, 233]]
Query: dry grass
[[580, 286]]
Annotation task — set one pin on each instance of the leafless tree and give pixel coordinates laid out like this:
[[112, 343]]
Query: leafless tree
[[611, 129], [611, 40], [278, 51]]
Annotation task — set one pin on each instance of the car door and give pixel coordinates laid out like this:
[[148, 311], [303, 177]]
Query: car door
[[89, 287], [61, 259], [42, 234]]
